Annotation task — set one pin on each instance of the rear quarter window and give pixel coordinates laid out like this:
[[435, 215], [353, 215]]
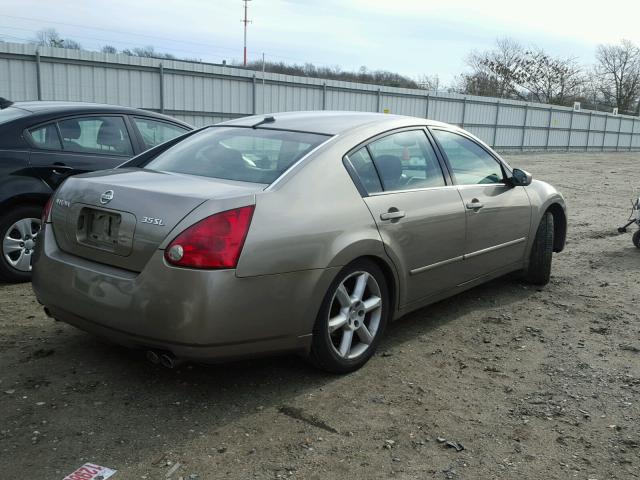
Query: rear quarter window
[[46, 136], [155, 132]]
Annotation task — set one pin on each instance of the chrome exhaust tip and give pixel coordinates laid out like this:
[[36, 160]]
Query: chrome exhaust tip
[[153, 357], [169, 361]]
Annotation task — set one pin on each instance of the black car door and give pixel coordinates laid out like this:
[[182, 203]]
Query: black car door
[[73, 145]]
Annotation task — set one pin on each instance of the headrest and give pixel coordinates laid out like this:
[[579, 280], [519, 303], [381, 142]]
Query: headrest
[[225, 161], [70, 129], [109, 134], [404, 140]]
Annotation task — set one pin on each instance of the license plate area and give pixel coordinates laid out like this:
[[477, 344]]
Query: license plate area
[[104, 230], [98, 229]]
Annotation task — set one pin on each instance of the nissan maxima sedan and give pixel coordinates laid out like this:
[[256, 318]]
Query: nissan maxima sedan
[[297, 232]]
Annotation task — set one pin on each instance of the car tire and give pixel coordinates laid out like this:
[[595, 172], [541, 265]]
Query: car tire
[[352, 318], [18, 229], [636, 238], [538, 271]]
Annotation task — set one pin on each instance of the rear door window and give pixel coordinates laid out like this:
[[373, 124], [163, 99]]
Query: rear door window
[[155, 132], [46, 136], [406, 161], [97, 135], [236, 153]]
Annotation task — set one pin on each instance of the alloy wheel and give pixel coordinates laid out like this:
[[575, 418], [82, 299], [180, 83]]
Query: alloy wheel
[[354, 315], [18, 243]]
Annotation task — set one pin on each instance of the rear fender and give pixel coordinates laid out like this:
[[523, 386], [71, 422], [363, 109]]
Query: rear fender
[[19, 184]]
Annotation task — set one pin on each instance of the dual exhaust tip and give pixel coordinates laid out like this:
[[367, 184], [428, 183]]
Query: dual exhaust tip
[[167, 360]]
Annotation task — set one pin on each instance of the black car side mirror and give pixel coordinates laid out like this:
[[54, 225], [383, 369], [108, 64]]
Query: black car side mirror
[[520, 178]]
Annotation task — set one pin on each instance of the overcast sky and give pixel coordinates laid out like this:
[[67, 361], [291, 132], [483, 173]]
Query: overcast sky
[[406, 36]]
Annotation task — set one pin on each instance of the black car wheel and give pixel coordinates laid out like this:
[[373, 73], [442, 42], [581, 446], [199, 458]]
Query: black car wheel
[[19, 229], [539, 270]]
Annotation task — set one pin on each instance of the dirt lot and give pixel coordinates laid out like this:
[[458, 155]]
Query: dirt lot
[[526, 382]]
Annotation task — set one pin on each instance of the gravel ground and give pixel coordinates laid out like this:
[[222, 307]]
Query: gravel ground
[[503, 381]]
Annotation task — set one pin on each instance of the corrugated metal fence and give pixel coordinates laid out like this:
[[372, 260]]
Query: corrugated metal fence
[[201, 93]]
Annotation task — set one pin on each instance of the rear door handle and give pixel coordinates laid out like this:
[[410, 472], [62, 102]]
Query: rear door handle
[[60, 168], [392, 214], [474, 204]]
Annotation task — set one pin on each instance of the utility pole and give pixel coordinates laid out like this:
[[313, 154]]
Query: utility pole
[[245, 21]]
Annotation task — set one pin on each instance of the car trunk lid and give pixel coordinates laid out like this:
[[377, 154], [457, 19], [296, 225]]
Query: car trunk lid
[[120, 217]]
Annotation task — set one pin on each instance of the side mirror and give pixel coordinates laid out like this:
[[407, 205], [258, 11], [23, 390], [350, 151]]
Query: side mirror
[[520, 178]]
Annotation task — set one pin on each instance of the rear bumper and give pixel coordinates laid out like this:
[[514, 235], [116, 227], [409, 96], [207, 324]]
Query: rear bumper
[[195, 314]]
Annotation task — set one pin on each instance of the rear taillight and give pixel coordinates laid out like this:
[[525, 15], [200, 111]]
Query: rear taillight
[[46, 210], [214, 242]]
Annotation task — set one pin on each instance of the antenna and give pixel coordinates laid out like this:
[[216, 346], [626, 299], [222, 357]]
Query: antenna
[[245, 21]]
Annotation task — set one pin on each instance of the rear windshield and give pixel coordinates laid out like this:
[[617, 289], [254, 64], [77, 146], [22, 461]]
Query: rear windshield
[[234, 153], [11, 113]]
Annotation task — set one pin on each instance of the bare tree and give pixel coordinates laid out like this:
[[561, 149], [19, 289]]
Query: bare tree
[[149, 52], [378, 77], [49, 37], [481, 84], [511, 71], [618, 72], [548, 79], [109, 49], [430, 82], [496, 68]]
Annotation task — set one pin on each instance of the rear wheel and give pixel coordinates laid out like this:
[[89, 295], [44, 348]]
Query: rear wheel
[[18, 231], [352, 318], [539, 270], [636, 238]]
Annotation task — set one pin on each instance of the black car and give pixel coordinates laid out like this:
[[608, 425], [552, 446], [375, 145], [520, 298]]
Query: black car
[[42, 143]]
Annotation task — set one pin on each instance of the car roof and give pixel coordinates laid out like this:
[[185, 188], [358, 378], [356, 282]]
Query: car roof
[[72, 108], [328, 122]]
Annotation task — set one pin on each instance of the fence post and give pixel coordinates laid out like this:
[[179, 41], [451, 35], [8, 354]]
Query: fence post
[[324, 96], [427, 112], [546, 147], [619, 130], [495, 124], [378, 109], [524, 126], [604, 134], [570, 131], [161, 88], [253, 94], [633, 128], [38, 77], [586, 148], [464, 110]]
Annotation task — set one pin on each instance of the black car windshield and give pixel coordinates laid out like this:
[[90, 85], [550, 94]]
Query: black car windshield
[[11, 113], [236, 153]]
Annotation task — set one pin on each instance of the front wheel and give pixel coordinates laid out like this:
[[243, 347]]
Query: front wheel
[[18, 231], [539, 269], [636, 238], [352, 318]]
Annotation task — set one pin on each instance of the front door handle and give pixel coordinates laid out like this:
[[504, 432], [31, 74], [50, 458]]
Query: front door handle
[[474, 204], [392, 214]]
